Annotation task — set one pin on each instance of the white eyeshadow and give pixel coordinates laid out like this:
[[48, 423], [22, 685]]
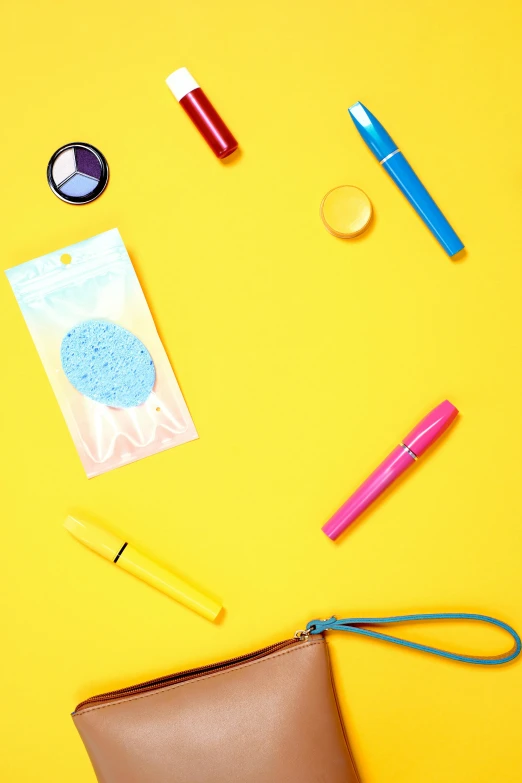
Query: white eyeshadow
[[64, 166]]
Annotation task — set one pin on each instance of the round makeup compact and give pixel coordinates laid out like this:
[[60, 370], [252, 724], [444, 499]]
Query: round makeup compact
[[346, 211], [77, 173]]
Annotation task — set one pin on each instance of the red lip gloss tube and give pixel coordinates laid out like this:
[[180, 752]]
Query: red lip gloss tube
[[204, 116]]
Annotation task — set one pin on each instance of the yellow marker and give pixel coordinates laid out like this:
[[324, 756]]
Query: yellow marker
[[346, 211], [118, 551]]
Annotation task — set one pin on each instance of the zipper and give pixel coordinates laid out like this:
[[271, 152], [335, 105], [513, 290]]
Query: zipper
[[191, 674]]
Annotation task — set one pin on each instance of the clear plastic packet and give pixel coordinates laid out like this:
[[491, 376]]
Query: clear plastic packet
[[93, 281]]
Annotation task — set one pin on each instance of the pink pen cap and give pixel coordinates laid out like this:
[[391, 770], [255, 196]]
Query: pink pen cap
[[401, 459], [430, 428]]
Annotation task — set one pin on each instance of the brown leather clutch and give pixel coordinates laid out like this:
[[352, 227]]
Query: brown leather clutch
[[270, 716], [267, 717]]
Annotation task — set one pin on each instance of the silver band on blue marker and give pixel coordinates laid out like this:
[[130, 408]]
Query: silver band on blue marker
[[388, 156]]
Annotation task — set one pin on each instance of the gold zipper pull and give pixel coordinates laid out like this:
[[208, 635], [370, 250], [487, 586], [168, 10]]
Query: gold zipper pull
[[302, 636]]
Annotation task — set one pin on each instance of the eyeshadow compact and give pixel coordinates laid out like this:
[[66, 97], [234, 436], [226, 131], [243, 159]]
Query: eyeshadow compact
[[77, 173]]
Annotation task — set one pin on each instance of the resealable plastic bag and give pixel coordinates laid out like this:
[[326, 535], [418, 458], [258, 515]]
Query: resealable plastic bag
[[94, 280]]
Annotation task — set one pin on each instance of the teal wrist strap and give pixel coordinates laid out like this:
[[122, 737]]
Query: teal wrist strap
[[354, 625]]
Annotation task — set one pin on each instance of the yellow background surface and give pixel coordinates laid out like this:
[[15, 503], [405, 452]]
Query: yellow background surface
[[303, 359]]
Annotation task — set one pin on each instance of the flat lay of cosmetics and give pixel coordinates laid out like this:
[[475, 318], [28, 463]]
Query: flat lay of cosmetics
[[114, 383]]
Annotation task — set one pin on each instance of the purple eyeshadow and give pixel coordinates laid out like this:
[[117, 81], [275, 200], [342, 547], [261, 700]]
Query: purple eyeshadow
[[87, 162]]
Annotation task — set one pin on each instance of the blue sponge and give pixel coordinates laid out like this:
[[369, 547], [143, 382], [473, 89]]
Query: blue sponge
[[107, 363]]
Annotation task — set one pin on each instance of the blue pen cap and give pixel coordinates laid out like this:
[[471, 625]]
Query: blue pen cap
[[378, 140]]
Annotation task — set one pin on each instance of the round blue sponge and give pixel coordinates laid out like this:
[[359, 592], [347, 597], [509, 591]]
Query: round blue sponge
[[107, 363]]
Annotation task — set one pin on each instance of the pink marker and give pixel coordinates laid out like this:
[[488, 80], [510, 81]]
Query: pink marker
[[401, 458]]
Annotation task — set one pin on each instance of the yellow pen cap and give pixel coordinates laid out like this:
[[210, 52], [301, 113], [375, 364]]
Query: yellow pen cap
[[96, 538]]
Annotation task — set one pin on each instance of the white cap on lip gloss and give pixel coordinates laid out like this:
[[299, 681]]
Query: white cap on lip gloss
[[181, 82]]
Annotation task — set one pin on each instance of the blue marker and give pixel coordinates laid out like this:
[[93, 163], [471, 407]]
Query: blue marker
[[394, 162]]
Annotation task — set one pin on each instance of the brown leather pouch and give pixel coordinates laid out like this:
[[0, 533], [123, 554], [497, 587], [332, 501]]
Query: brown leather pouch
[[270, 716], [267, 717]]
